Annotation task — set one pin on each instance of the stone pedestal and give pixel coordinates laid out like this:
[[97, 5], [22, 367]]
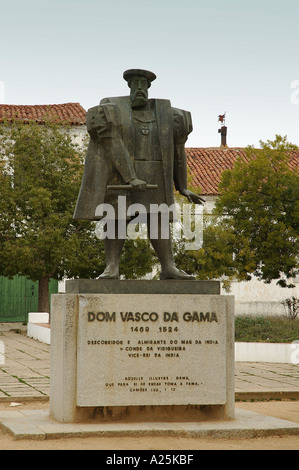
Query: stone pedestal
[[142, 350]]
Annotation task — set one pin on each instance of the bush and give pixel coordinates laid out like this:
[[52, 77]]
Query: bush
[[266, 329], [292, 307]]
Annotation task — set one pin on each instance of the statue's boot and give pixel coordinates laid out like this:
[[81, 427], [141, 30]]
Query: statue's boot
[[163, 248], [113, 248], [111, 272], [175, 273]]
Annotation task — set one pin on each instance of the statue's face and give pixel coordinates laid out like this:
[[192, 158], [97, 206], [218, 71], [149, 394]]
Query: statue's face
[[139, 91]]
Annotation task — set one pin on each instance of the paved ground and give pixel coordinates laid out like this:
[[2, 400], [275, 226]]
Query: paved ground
[[24, 368], [25, 373], [259, 424]]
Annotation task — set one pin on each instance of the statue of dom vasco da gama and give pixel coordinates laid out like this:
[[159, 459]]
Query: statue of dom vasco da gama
[[136, 150]]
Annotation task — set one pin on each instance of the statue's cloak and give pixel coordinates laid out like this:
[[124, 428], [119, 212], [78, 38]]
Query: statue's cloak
[[110, 155]]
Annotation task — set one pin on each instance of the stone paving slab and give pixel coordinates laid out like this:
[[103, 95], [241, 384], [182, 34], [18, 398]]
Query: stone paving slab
[[36, 424], [25, 373]]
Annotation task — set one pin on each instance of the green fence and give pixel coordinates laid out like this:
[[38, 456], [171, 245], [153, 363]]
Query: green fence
[[19, 296]]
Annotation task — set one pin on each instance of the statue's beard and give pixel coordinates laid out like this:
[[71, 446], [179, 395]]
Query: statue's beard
[[139, 100]]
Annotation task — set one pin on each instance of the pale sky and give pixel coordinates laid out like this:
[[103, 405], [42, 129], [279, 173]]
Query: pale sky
[[210, 57]]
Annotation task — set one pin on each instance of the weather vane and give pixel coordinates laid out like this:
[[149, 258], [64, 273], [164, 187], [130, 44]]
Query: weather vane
[[221, 118]]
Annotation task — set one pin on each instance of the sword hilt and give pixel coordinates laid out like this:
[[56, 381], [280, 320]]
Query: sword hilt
[[128, 186]]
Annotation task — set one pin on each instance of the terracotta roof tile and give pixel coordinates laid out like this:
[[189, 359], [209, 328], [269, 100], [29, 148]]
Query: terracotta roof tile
[[67, 113], [207, 164]]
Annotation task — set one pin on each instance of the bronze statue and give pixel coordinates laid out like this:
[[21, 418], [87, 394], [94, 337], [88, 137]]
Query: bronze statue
[[136, 150]]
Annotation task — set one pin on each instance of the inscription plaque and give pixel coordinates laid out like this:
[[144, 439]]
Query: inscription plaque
[[151, 350]]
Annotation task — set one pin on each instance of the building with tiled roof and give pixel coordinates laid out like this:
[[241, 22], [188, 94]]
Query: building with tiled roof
[[65, 114], [207, 164], [70, 116]]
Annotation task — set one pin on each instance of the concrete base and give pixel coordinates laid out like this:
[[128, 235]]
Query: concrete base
[[92, 367], [36, 424], [116, 286]]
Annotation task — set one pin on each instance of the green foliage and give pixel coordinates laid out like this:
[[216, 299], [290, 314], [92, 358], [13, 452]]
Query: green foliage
[[254, 228], [215, 259], [41, 179], [137, 259], [266, 329], [259, 202]]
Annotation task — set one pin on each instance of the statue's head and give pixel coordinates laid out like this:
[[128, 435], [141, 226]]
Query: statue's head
[[139, 82]]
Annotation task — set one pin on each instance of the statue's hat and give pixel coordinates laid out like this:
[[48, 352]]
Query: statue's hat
[[143, 73]]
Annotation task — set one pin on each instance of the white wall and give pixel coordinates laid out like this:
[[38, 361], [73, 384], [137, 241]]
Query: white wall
[[78, 133], [257, 298], [257, 291]]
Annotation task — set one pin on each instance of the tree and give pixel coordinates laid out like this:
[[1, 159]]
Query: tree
[[137, 259], [260, 203], [40, 180], [253, 230], [216, 258]]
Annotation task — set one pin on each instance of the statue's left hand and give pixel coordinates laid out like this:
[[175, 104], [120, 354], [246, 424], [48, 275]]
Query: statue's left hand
[[192, 197]]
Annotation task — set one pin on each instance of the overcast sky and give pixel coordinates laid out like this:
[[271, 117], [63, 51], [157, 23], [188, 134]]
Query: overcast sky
[[210, 57]]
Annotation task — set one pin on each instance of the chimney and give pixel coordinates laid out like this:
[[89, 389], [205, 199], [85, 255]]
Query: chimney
[[223, 130]]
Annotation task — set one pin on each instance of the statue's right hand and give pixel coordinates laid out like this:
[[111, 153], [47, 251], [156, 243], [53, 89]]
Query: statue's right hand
[[138, 185]]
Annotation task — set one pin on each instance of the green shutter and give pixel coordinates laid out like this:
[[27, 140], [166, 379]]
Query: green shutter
[[19, 296]]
